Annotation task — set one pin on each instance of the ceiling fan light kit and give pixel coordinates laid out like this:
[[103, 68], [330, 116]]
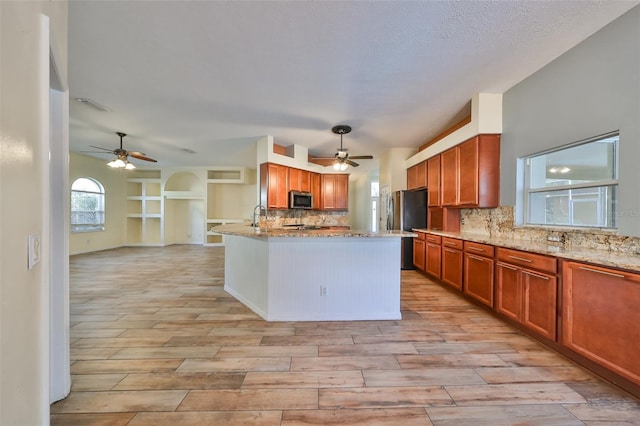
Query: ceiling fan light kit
[[341, 160]]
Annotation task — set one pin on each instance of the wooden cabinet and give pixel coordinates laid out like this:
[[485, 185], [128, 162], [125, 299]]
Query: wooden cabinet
[[526, 290], [334, 192], [419, 251], [316, 189], [417, 176], [274, 191], [600, 316], [452, 272], [470, 173], [449, 177], [299, 180], [433, 255], [478, 272], [433, 181]]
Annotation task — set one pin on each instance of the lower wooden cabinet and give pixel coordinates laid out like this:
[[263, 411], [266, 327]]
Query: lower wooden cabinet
[[433, 255], [452, 263], [478, 272], [601, 316], [419, 251]]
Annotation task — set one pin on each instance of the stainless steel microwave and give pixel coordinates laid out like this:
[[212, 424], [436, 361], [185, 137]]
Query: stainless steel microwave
[[300, 200]]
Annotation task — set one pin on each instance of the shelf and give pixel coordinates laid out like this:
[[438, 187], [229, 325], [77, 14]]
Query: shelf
[[184, 195], [226, 175]]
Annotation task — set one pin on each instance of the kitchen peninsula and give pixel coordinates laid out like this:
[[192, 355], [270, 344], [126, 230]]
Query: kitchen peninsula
[[314, 274]]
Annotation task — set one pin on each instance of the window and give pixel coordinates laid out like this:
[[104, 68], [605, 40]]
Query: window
[[574, 185], [87, 205]]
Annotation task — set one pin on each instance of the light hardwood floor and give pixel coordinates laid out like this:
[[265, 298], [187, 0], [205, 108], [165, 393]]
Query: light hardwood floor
[[155, 340]]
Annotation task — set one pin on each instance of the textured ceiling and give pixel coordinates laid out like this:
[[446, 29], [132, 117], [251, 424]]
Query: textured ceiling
[[213, 76]]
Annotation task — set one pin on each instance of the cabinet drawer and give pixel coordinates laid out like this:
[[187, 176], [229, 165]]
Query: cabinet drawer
[[433, 239], [420, 236], [452, 243], [528, 260], [478, 248]]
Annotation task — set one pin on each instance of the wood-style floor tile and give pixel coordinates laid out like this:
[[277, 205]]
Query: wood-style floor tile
[[384, 397], [201, 418], [175, 349], [251, 399], [117, 402], [360, 417], [301, 380], [510, 394], [497, 415]]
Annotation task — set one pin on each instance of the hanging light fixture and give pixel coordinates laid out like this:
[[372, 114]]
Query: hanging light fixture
[[341, 164]]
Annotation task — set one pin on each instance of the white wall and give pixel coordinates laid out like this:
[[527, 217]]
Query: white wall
[[24, 331], [592, 89], [115, 186]]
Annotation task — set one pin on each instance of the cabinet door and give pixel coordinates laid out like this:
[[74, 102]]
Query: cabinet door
[[478, 278], [540, 302], [418, 253], [508, 291], [600, 316], [274, 186], [449, 177], [412, 181], [342, 192], [433, 181], [452, 267], [304, 181], [316, 191], [328, 192], [294, 179], [468, 172], [433, 259]]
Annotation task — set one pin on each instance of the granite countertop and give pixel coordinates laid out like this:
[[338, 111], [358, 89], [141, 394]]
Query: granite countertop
[[600, 257], [246, 230]]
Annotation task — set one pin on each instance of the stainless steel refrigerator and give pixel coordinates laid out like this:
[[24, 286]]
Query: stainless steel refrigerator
[[407, 210]]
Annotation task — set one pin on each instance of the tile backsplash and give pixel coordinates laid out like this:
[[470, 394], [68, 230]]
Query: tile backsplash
[[278, 218], [499, 223]]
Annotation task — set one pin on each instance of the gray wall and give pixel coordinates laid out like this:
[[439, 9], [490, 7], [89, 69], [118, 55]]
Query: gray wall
[[590, 90]]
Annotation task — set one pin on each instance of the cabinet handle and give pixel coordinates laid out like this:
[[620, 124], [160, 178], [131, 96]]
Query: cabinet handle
[[611, 274], [522, 259], [476, 249], [450, 251], [450, 244], [504, 265], [481, 259], [536, 275]]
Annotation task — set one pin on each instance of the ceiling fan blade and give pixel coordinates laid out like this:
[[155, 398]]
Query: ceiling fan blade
[[99, 147], [351, 163], [139, 156], [361, 157], [322, 161], [97, 152], [134, 153]]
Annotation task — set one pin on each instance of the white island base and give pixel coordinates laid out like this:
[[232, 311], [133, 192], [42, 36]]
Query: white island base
[[316, 278]]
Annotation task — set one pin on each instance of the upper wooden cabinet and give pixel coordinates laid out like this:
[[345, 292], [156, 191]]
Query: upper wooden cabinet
[[334, 192], [417, 176], [299, 180], [470, 173], [433, 181], [316, 190], [274, 190]]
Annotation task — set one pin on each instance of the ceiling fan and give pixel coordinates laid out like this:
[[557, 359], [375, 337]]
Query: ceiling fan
[[122, 155], [341, 160]]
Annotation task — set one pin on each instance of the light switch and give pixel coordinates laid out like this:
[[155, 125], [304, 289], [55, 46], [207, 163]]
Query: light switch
[[34, 250]]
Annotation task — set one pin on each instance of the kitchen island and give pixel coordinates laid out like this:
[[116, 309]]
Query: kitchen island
[[314, 274]]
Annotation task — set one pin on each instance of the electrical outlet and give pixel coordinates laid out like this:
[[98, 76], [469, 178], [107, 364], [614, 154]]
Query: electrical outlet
[[553, 238], [323, 290]]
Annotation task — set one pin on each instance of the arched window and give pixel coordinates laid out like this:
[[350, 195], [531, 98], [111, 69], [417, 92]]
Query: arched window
[[87, 205]]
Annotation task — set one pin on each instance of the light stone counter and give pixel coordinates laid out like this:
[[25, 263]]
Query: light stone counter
[[613, 259], [244, 230]]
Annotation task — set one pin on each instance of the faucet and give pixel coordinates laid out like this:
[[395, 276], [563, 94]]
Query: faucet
[[260, 208]]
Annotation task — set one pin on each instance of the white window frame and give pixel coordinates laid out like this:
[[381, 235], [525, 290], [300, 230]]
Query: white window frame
[[527, 191], [100, 209]]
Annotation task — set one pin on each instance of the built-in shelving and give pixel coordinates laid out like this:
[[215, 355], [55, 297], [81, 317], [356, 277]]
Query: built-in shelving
[[213, 238], [145, 209]]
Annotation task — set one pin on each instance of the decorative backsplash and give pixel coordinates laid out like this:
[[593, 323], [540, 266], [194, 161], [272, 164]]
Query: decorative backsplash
[[278, 218], [499, 222]]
